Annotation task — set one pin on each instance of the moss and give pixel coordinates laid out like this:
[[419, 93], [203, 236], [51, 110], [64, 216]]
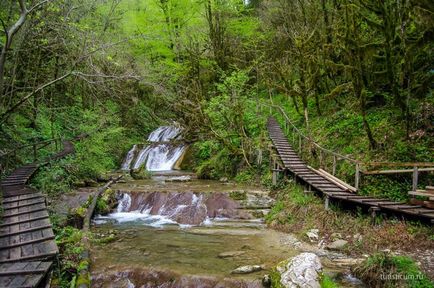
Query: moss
[[83, 280], [104, 240], [238, 195], [327, 282]]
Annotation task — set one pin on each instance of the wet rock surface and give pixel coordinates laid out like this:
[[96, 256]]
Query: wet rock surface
[[151, 278]]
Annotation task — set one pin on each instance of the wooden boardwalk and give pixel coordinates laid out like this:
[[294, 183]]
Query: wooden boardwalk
[[294, 164], [27, 246]]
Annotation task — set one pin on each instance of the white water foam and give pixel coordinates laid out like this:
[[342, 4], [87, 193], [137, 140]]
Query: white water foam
[[147, 219]]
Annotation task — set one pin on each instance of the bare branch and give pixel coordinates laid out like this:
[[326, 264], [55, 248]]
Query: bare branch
[[4, 116], [10, 33], [37, 6]]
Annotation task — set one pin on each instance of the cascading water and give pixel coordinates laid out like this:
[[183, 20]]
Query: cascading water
[[129, 158], [184, 208], [158, 155]]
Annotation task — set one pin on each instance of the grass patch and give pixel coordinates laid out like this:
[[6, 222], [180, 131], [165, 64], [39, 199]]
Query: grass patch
[[384, 270]]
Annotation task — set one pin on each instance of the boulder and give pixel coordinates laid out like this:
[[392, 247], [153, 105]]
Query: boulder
[[337, 245], [301, 271]]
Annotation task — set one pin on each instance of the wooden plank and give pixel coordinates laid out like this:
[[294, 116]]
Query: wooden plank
[[18, 205], [414, 193], [23, 243], [21, 197], [22, 268], [10, 233], [337, 181], [25, 220], [11, 214], [47, 255]]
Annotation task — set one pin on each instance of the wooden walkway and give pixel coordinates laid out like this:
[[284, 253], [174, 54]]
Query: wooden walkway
[[293, 163], [27, 246]]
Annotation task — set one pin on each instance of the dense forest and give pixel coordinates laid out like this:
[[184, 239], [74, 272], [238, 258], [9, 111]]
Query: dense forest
[[356, 76], [116, 69]]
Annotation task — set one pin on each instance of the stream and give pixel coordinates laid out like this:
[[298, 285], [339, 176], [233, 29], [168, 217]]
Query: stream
[[174, 230]]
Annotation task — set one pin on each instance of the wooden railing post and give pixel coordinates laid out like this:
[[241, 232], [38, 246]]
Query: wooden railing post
[[415, 178], [334, 165], [320, 159], [299, 145], [274, 181], [35, 153], [357, 180]]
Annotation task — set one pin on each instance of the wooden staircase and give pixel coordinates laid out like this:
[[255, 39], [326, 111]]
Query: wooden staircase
[[27, 246], [330, 188]]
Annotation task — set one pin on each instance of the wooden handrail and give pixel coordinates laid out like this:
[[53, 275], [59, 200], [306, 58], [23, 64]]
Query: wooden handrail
[[400, 164], [30, 145], [308, 138], [340, 156]]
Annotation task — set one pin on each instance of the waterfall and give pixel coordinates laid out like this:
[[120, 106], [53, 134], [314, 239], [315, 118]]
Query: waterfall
[[159, 155], [129, 158], [124, 203]]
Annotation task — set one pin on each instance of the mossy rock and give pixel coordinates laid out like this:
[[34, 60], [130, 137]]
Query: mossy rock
[[141, 174]]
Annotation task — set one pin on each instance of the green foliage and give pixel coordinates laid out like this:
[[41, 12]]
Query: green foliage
[[105, 202], [71, 247]]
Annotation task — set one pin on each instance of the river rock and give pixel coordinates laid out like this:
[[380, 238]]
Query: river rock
[[336, 236], [183, 178], [230, 254], [312, 234], [358, 237], [337, 245], [247, 269], [301, 271]]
